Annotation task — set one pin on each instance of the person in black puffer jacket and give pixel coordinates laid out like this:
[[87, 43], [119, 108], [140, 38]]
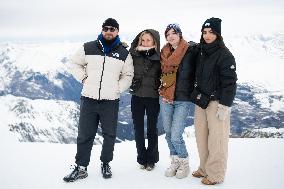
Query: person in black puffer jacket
[[215, 79], [145, 51]]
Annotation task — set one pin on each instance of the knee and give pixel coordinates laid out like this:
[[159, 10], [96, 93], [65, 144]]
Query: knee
[[81, 139], [109, 135], [167, 127], [176, 139]]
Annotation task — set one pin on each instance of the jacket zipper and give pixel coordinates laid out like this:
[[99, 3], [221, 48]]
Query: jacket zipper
[[102, 78], [102, 72]]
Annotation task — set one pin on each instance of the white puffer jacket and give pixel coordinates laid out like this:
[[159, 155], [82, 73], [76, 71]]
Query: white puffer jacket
[[106, 75]]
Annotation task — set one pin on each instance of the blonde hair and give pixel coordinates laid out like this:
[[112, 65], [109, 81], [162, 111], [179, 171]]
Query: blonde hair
[[140, 39]]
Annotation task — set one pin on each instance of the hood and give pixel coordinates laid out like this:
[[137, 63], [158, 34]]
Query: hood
[[156, 36]]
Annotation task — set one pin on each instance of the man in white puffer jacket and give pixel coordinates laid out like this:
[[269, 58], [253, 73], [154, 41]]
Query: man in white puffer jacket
[[105, 68]]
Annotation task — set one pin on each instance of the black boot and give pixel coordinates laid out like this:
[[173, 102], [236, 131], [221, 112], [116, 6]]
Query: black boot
[[79, 172], [106, 170]]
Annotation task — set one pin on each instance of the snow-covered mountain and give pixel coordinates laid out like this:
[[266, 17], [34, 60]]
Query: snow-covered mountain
[[37, 71], [41, 98]]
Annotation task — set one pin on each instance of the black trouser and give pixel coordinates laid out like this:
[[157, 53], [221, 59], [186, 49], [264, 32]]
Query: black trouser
[[152, 107], [91, 113]]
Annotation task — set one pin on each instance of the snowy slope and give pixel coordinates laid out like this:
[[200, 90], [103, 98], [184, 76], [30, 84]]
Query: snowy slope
[[37, 71], [40, 120], [44, 59], [253, 164], [52, 121], [259, 59]]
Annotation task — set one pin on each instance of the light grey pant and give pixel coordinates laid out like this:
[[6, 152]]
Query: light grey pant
[[212, 137]]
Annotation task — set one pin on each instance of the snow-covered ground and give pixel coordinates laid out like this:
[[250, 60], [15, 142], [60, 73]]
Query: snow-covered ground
[[253, 164]]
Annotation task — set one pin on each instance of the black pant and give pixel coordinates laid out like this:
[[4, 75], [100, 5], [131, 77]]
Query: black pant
[[152, 107], [91, 113]]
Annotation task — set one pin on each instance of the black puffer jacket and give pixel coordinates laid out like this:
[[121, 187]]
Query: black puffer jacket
[[216, 72], [146, 65], [186, 74]]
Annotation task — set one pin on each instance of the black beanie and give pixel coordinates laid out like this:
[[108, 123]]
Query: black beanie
[[214, 24], [111, 22]]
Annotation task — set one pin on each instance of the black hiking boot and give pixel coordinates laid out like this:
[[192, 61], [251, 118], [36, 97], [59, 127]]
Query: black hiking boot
[[79, 172], [106, 170]]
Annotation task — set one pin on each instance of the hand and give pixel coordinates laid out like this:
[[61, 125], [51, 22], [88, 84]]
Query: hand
[[223, 112], [167, 101]]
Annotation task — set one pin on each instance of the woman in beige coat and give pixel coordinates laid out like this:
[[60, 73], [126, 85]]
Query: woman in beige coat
[[215, 89]]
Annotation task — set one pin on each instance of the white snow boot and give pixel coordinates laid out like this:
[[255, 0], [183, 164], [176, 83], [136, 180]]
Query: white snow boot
[[183, 169], [171, 171]]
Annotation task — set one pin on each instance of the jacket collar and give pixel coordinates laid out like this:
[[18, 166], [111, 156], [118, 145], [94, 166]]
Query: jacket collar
[[210, 48], [108, 48]]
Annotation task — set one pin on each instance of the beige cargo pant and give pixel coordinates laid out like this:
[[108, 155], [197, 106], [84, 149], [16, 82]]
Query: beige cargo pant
[[212, 137]]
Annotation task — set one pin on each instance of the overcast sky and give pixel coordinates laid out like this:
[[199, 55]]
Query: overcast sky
[[22, 19]]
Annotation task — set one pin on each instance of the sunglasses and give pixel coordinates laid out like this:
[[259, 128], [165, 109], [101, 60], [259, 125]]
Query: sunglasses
[[111, 29]]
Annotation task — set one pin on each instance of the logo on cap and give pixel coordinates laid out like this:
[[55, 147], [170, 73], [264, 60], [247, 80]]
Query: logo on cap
[[207, 24]]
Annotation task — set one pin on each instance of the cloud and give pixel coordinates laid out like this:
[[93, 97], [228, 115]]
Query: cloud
[[46, 18]]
